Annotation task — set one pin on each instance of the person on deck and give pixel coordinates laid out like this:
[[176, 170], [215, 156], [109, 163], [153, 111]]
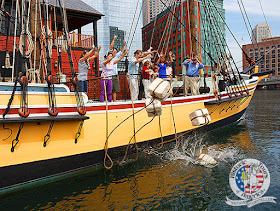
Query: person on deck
[[146, 72], [84, 66], [163, 63], [115, 77], [191, 78], [107, 73], [169, 72], [133, 68]]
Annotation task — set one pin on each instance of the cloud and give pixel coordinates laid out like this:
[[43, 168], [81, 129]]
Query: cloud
[[271, 7]]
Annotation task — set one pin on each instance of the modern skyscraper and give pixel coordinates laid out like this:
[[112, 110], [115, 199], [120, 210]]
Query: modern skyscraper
[[151, 8], [123, 15], [260, 32]]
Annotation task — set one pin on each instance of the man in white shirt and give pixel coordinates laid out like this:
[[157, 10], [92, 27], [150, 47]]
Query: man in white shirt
[[133, 70], [115, 77]]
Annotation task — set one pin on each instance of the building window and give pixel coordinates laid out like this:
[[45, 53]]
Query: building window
[[179, 50], [180, 61], [178, 14], [174, 40], [251, 50], [179, 26], [267, 47], [179, 38]]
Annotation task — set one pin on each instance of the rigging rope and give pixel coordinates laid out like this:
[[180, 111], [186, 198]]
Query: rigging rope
[[188, 31], [107, 129]]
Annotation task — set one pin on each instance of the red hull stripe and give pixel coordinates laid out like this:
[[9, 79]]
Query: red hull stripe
[[110, 107]]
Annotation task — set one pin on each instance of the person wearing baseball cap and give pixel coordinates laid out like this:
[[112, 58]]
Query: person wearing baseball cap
[[191, 79]]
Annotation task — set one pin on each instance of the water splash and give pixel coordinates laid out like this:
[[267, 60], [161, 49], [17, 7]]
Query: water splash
[[189, 149]]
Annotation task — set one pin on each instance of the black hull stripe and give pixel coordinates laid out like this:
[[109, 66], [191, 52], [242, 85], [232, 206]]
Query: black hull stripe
[[23, 176]]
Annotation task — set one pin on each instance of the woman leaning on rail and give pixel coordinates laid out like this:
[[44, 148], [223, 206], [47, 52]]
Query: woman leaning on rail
[[84, 66]]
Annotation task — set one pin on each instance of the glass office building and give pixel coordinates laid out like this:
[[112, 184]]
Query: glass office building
[[213, 37], [125, 15]]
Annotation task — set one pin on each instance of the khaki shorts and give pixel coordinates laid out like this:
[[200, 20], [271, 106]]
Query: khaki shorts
[[116, 84]]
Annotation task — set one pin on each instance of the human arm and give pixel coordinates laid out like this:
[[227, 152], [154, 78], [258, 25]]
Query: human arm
[[113, 43], [170, 57], [123, 47], [159, 59], [186, 63], [96, 54], [87, 55], [142, 59], [121, 57], [108, 60], [149, 52]]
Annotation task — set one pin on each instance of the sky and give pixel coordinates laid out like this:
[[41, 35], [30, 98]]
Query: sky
[[236, 24]]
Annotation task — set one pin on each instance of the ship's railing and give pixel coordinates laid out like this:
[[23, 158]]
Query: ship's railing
[[75, 39]]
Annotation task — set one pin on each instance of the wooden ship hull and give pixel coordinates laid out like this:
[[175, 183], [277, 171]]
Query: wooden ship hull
[[51, 148]]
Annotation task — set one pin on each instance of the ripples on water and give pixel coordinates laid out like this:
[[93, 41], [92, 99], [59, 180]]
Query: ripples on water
[[170, 179]]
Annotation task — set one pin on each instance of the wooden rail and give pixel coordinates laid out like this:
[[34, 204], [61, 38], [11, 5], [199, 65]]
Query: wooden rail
[[75, 40]]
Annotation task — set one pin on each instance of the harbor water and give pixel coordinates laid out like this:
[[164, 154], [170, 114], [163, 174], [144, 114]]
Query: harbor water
[[170, 179]]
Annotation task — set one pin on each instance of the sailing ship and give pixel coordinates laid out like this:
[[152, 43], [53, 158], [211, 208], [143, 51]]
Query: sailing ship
[[49, 132]]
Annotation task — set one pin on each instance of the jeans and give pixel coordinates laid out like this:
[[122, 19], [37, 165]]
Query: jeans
[[109, 86], [83, 86]]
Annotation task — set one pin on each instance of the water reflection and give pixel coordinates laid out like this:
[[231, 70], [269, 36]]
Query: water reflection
[[158, 180]]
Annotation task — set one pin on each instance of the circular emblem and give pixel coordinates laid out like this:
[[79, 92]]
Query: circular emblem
[[249, 179]]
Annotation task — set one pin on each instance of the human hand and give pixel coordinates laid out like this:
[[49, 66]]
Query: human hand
[[93, 46], [124, 42], [99, 48], [149, 56], [115, 37], [126, 51], [170, 53]]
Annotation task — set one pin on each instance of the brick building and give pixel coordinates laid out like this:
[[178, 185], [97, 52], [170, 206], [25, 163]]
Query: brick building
[[271, 60], [179, 39]]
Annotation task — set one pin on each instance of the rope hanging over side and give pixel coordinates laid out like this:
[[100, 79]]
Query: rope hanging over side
[[79, 98], [107, 129]]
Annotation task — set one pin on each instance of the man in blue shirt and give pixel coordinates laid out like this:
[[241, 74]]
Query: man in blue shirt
[[191, 78]]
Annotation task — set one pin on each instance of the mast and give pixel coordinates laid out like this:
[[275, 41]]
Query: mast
[[192, 26], [35, 28]]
